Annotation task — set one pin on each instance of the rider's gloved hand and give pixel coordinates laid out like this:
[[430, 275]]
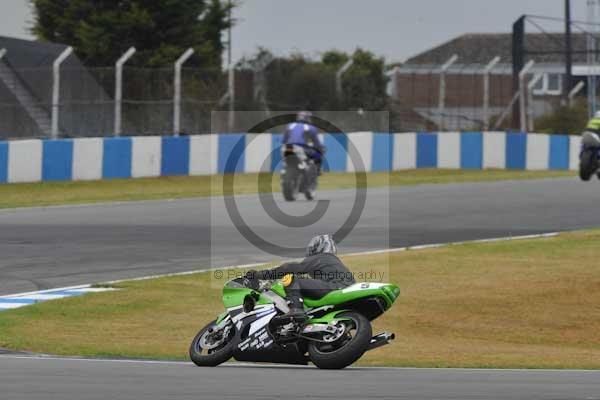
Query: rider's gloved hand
[[251, 280]]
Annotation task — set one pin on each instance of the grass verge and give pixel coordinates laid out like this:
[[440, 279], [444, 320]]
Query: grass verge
[[79, 192], [515, 304]]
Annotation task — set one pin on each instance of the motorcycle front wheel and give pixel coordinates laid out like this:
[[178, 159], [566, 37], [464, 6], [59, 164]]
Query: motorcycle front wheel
[[587, 163], [353, 340], [212, 346]]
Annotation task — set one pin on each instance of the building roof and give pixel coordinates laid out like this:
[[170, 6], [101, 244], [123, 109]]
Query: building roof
[[480, 48], [30, 54], [28, 70]]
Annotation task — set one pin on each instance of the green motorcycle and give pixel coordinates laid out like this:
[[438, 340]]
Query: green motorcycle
[[254, 327]]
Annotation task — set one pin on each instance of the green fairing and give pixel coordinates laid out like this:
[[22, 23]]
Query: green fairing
[[327, 318], [278, 289], [221, 317], [234, 295], [388, 292]]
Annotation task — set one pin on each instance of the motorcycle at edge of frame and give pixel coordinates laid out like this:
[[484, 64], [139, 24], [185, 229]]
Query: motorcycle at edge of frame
[[336, 333], [589, 155], [299, 172]]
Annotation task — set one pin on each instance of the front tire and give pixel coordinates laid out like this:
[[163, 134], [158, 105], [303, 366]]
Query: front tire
[[212, 357], [348, 348], [587, 163]]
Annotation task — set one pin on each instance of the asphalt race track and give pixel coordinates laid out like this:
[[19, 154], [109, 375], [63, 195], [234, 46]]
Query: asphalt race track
[[52, 247], [61, 246], [49, 379]]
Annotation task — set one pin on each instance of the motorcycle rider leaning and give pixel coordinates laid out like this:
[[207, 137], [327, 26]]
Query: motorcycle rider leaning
[[325, 271], [303, 133]]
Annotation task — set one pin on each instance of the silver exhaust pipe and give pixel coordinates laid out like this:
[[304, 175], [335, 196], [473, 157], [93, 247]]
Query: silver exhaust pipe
[[381, 340]]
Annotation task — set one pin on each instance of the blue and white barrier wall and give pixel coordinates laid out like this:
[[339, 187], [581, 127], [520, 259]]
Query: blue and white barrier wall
[[150, 156]]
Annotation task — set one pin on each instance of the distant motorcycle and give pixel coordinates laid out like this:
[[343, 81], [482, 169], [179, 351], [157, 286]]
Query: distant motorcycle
[[299, 173], [589, 156]]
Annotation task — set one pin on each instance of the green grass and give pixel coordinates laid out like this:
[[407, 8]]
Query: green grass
[[79, 192], [515, 304]]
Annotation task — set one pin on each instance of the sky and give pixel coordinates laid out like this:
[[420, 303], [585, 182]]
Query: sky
[[394, 29]]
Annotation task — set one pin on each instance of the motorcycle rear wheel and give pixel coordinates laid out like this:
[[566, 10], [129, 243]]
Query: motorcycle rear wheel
[[587, 163], [311, 186], [289, 184], [348, 348], [211, 357]]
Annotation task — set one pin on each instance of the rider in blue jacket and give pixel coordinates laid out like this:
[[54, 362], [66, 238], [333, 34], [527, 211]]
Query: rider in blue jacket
[[302, 132]]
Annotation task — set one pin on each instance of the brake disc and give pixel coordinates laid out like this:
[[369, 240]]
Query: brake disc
[[340, 329], [204, 340]]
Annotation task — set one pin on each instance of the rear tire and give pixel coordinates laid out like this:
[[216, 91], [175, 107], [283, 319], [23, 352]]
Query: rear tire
[[587, 161], [310, 195], [289, 185], [219, 355], [311, 185], [350, 351]]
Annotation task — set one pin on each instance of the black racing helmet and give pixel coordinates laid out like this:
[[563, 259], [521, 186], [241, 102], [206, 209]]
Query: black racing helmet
[[321, 244]]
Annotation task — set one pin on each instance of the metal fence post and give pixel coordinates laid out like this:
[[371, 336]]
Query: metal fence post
[[575, 91], [338, 77], [231, 92], [522, 95], [486, 91], [119, 88], [177, 88], [530, 87], [259, 82], [56, 89], [393, 75], [442, 98]]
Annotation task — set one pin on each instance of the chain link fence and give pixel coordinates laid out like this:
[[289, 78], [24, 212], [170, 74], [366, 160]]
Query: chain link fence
[[419, 98], [425, 99], [86, 106]]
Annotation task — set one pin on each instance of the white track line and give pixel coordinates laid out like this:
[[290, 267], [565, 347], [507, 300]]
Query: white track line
[[46, 291], [277, 366], [361, 253], [197, 271], [437, 245], [245, 266], [24, 300]]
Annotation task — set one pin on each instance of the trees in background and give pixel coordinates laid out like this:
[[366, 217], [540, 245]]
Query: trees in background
[[299, 82], [570, 120], [100, 31]]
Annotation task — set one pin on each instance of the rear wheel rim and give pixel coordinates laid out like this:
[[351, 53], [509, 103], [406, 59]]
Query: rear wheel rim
[[351, 327]]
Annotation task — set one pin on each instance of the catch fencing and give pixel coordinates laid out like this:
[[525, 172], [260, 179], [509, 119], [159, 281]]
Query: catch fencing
[[465, 97], [472, 97], [86, 106]]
